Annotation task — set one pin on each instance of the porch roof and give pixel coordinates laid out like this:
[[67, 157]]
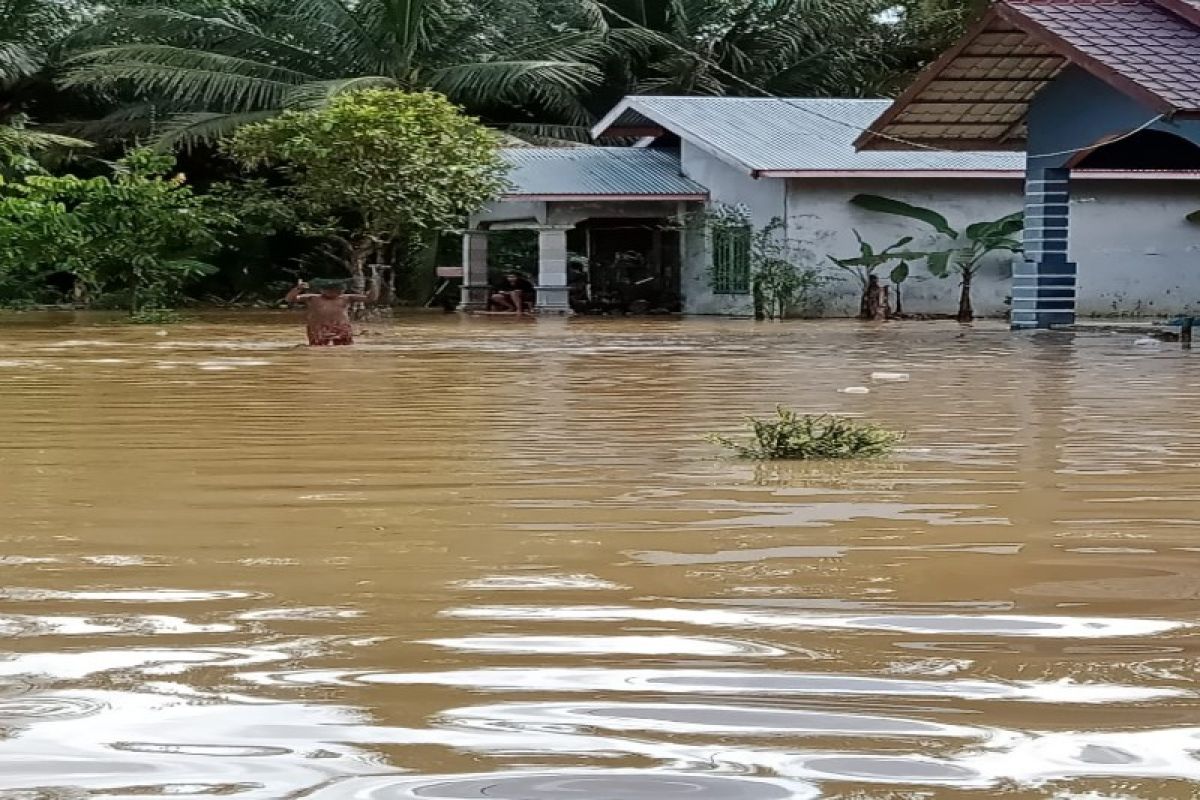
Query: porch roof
[[597, 173], [977, 94], [792, 137]]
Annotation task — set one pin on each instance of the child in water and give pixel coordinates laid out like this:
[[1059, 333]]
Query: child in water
[[328, 310]]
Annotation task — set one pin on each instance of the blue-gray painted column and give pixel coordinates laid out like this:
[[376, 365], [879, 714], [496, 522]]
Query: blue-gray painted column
[[1044, 285], [475, 286]]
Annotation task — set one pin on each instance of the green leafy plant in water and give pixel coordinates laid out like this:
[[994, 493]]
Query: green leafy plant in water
[[155, 316], [793, 436]]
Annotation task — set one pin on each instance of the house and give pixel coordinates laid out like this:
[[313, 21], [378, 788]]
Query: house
[[1078, 85], [636, 210]]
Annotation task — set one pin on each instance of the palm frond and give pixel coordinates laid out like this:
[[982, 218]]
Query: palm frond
[[188, 131], [19, 60], [400, 25], [131, 121], [538, 135], [16, 139], [345, 37], [192, 77], [317, 93], [225, 32], [509, 81]]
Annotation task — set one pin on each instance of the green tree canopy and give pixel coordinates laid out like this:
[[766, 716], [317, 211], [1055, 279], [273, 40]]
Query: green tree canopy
[[136, 233], [381, 166], [211, 67]]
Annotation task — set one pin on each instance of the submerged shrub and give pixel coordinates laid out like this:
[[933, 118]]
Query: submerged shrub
[[792, 436], [155, 316]]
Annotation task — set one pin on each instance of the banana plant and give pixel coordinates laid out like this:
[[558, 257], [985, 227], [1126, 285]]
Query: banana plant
[[869, 259], [967, 248]]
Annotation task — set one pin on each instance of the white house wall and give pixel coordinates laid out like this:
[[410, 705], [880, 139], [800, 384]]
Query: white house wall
[[731, 186], [821, 223], [1137, 255]]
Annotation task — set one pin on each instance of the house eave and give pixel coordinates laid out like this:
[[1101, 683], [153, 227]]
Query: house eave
[[601, 198]]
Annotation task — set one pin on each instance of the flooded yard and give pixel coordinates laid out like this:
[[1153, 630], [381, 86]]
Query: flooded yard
[[487, 558]]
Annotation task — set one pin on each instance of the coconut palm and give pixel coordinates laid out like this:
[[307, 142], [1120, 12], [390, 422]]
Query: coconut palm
[[206, 70], [29, 33], [717, 47]]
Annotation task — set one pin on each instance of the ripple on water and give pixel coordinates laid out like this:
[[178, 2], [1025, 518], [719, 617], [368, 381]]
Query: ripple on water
[[982, 624], [47, 707], [122, 595], [537, 582], [209, 750], [725, 682], [604, 645], [897, 769], [696, 718], [566, 784]]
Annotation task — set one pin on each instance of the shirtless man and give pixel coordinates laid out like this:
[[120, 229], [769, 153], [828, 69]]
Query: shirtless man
[[328, 312]]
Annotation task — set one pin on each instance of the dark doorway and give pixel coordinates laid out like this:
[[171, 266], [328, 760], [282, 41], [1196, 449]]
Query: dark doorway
[[1144, 150], [628, 266]]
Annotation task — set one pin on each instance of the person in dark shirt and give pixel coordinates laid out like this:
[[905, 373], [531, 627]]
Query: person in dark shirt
[[515, 294]]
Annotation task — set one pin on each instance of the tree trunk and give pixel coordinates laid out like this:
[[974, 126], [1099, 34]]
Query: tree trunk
[[387, 287], [360, 254], [965, 312], [760, 311], [899, 303], [423, 269], [876, 301]]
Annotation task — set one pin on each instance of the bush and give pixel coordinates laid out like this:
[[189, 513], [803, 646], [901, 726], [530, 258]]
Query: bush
[[792, 436], [155, 316]]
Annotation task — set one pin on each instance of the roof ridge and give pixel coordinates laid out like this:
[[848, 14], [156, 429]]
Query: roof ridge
[[1184, 9], [709, 98]]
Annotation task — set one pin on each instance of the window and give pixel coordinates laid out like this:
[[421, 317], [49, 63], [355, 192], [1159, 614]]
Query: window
[[731, 259]]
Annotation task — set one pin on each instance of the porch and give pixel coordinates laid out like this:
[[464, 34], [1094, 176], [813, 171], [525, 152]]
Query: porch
[[606, 228]]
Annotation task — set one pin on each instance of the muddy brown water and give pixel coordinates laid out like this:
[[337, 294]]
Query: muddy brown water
[[495, 559]]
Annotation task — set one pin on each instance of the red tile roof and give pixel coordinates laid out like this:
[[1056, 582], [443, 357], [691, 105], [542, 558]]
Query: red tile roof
[[976, 95], [1138, 40]]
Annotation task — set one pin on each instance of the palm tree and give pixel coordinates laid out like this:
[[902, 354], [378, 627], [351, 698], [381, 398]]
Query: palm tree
[[29, 34], [207, 70], [718, 47]]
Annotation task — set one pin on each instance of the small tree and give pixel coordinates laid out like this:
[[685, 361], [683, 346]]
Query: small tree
[[381, 168], [778, 279], [863, 267], [779, 282], [137, 232], [967, 248]]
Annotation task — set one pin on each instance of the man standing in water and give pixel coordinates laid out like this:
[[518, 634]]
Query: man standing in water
[[328, 311]]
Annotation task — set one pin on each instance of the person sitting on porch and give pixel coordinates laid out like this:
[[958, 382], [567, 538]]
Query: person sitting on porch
[[515, 294]]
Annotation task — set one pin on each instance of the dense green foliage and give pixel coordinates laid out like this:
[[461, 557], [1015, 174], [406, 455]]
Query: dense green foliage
[[792, 436], [137, 234], [378, 168]]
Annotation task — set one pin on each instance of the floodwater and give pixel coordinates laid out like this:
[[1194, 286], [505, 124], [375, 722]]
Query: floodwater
[[487, 558]]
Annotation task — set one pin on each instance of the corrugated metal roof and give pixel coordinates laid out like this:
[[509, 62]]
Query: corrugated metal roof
[[792, 135], [596, 172]]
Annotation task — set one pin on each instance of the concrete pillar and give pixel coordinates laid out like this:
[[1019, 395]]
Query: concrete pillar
[[1044, 285], [553, 292], [475, 287]]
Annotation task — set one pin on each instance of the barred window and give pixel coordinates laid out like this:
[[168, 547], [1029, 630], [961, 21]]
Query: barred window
[[731, 259]]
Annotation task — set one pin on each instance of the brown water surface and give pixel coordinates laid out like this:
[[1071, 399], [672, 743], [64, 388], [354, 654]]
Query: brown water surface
[[495, 559]]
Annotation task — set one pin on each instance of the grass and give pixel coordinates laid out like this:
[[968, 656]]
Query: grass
[[806, 437]]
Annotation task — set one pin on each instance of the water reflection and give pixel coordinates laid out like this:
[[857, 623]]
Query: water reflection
[[470, 560]]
